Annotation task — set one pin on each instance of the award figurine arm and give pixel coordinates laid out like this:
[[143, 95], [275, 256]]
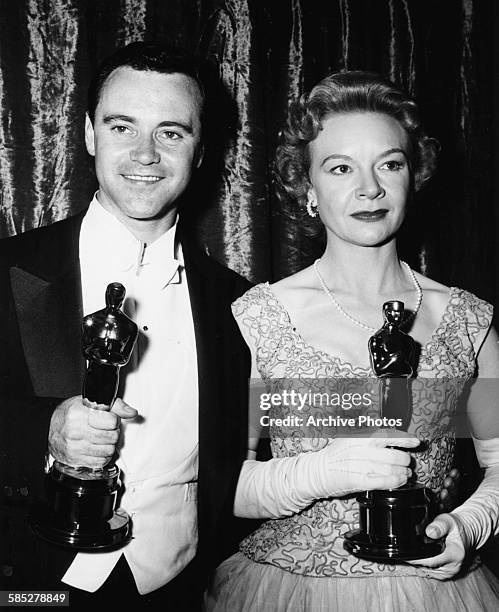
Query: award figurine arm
[[80, 510], [392, 522]]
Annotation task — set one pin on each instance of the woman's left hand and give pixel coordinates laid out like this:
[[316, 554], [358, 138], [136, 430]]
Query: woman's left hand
[[448, 563]]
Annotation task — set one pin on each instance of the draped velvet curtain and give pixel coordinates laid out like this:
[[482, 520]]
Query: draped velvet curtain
[[265, 52]]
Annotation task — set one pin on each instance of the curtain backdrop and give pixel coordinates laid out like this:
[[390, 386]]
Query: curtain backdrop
[[266, 52]]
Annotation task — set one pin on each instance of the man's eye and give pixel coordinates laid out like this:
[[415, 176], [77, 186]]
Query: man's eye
[[341, 169], [169, 135], [393, 165], [121, 129]]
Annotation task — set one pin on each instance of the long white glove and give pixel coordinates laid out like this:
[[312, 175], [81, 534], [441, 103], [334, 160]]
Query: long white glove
[[283, 486], [471, 524], [478, 517]]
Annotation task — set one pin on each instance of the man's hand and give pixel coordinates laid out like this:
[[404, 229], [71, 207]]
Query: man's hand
[[83, 436], [448, 563]]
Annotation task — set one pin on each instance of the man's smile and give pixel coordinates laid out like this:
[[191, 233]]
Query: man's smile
[[142, 178]]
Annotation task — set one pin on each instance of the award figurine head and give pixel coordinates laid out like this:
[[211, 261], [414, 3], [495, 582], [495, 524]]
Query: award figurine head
[[393, 312], [109, 335]]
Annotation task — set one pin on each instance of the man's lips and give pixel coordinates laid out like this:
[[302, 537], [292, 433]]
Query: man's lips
[[142, 178], [370, 215]]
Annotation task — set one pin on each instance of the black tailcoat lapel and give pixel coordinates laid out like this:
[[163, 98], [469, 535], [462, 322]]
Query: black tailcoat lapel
[[223, 373], [46, 290]]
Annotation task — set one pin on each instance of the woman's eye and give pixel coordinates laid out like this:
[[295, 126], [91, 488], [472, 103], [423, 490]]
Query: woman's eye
[[393, 165], [341, 169]]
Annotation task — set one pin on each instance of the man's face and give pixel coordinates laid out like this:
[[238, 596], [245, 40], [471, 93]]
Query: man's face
[[146, 139]]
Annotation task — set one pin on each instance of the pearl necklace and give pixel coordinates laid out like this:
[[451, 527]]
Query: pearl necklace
[[357, 322]]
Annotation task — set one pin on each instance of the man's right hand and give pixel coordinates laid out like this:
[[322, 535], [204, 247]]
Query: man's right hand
[[83, 436]]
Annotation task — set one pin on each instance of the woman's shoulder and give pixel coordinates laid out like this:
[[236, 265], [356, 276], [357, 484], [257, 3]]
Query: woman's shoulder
[[255, 297], [259, 307], [296, 290], [458, 305], [441, 295]]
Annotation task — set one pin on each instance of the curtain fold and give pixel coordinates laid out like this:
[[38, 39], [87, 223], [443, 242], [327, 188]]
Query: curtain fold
[[262, 54]]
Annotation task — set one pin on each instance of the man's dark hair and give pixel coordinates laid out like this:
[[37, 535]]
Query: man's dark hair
[[144, 56]]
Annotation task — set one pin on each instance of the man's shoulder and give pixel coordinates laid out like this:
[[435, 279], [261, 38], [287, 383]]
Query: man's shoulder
[[32, 243], [209, 267]]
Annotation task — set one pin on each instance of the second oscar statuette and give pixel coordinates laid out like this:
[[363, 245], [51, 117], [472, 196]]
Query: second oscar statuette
[[392, 522]]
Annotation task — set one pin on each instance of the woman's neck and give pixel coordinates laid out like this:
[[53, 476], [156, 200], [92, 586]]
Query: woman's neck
[[360, 270]]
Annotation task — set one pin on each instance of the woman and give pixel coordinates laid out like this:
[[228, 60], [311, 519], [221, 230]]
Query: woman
[[353, 151]]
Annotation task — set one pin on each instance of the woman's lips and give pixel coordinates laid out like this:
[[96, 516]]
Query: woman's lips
[[370, 216]]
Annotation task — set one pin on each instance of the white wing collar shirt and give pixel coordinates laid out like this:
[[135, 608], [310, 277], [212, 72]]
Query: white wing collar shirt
[[158, 452]]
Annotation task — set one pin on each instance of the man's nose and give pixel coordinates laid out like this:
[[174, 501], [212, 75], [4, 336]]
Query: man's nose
[[369, 187], [145, 152]]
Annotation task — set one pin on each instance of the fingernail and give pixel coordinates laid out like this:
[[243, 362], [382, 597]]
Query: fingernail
[[432, 532]]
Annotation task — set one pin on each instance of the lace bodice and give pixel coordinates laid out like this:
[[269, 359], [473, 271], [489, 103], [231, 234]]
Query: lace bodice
[[311, 542]]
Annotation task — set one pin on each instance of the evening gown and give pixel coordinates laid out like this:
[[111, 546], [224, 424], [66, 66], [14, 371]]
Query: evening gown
[[298, 563]]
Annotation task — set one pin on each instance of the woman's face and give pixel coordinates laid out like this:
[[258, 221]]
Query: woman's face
[[360, 176]]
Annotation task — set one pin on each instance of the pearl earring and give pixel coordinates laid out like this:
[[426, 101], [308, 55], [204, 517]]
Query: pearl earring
[[312, 204]]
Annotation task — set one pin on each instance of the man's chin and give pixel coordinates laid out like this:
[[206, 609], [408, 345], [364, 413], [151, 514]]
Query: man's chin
[[153, 213]]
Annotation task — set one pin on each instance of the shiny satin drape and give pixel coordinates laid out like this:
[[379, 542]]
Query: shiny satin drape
[[266, 52]]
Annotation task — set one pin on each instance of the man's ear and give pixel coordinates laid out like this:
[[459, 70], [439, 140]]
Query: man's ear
[[199, 155], [89, 136]]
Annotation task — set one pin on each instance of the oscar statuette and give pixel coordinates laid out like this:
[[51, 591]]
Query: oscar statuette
[[79, 511], [392, 523]]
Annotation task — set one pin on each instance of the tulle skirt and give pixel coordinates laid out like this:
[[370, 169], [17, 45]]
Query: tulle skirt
[[241, 585]]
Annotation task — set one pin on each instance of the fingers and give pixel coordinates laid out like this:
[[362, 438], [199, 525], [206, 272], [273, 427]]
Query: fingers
[[103, 436], [390, 481], [391, 456], [448, 563], [394, 437], [83, 436], [123, 410], [449, 492], [440, 526], [442, 566], [401, 442], [102, 420]]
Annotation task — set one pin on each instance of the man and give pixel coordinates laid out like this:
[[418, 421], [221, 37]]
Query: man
[[183, 395]]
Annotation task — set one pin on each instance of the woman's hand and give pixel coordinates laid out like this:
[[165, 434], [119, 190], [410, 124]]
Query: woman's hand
[[285, 485], [448, 563], [448, 495], [350, 465]]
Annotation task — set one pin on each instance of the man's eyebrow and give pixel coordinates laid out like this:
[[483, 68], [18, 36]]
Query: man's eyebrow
[[110, 118], [186, 127]]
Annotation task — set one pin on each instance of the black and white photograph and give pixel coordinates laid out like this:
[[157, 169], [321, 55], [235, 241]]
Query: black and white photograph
[[249, 357]]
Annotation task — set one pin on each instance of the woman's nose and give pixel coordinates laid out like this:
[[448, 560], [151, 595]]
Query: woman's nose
[[369, 188]]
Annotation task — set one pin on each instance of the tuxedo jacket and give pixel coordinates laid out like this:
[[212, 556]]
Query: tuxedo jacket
[[41, 364]]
